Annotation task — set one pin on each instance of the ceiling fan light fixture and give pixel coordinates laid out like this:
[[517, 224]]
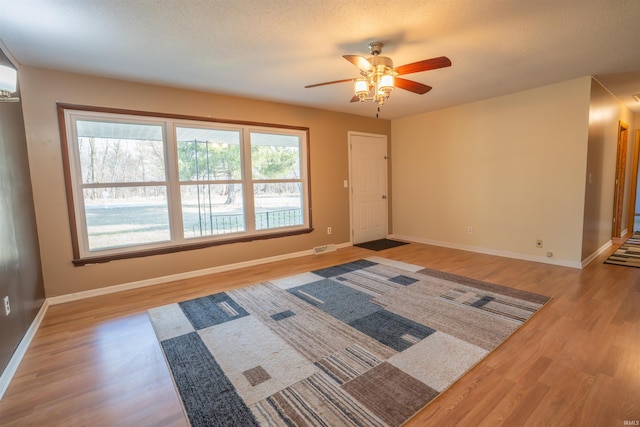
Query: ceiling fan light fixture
[[386, 83], [361, 88], [384, 86]]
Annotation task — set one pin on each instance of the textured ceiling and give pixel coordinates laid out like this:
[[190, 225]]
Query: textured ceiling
[[271, 49]]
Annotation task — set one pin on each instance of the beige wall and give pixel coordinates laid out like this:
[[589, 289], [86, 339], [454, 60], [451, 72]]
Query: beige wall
[[605, 113], [511, 167], [329, 168]]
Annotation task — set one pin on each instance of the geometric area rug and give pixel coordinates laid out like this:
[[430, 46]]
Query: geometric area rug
[[366, 343], [628, 253]]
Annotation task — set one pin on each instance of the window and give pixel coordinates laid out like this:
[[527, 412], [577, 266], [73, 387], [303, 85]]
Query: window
[[141, 184]]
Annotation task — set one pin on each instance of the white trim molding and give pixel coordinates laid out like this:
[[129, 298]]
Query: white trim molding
[[18, 355], [597, 253], [180, 276], [21, 350], [487, 251]]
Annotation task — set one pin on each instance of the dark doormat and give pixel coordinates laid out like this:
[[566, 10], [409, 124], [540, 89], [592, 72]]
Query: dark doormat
[[379, 245]]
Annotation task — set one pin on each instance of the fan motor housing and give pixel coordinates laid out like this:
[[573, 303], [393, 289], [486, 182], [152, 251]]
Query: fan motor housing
[[381, 60]]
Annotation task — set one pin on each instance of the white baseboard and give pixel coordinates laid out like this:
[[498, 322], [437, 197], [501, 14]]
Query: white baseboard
[[506, 254], [21, 350], [14, 362], [180, 276], [597, 253]]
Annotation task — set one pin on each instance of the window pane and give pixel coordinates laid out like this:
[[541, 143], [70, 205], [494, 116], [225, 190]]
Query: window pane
[[141, 182], [275, 156], [208, 154], [125, 216], [212, 209], [277, 205], [120, 152]]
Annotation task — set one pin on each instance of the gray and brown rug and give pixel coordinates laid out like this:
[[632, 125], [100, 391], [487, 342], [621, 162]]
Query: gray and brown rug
[[367, 343], [628, 254]]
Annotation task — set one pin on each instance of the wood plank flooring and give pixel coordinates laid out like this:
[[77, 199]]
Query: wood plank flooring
[[96, 362]]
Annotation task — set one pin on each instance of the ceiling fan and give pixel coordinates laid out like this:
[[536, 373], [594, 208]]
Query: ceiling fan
[[379, 77]]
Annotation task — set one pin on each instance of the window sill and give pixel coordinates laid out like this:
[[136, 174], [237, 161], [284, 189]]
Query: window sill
[[180, 248]]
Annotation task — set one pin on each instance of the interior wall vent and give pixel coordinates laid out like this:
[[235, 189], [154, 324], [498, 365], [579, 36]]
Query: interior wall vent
[[322, 249]]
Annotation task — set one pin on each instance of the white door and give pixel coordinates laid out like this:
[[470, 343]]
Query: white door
[[368, 177]]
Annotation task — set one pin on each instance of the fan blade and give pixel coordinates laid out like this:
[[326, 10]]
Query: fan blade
[[360, 62], [329, 83], [411, 86], [427, 64]]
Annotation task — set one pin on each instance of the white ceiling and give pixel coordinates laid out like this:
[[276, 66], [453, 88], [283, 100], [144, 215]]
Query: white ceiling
[[271, 49]]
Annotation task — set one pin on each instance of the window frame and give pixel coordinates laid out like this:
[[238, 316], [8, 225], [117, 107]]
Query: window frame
[[82, 255]]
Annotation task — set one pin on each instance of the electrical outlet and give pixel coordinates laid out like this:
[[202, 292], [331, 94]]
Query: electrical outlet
[[7, 306], [329, 230], [469, 230], [539, 243]]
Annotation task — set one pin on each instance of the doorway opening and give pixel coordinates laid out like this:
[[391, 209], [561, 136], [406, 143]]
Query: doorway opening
[[634, 200], [621, 164]]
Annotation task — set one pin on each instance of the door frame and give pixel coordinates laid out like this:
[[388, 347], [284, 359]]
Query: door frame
[[633, 187], [350, 134], [618, 193]]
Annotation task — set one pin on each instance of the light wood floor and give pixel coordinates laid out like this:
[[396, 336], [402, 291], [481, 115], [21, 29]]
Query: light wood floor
[[577, 362]]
